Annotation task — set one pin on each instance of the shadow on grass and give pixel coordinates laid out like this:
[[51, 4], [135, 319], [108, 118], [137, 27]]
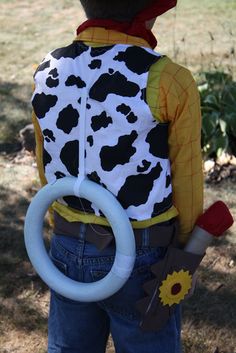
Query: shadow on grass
[[20, 287], [13, 209], [215, 307], [209, 321], [15, 114], [23, 315]]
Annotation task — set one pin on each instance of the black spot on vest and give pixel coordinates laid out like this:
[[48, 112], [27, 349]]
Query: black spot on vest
[[136, 59], [158, 141], [71, 51], [113, 84], [163, 206], [69, 156], [94, 177], [144, 168], [168, 181], [68, 118], [46, 158], [100, 51], [42, 103], [144, 95], [123, 109], [120, 154], [54, 73], [49, 136], [126, 110], [100, 121], [90, 140], [132, 118], [50, 82], [75, 81], [137, 188], [59, 175], [43, 66], [95, 64]]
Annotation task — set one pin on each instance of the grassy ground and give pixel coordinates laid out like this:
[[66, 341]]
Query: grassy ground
[[201, 35]]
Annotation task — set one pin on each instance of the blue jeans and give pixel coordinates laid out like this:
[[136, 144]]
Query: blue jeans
[[76, 327]]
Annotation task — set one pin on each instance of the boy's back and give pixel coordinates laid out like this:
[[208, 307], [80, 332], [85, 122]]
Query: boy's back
[[142, 143], [125, 96]]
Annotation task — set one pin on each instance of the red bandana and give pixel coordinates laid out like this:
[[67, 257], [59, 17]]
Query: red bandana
[[137, 27]]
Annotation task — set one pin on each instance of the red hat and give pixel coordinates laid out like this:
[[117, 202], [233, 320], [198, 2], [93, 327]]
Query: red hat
[[137, 27], [155, 9]]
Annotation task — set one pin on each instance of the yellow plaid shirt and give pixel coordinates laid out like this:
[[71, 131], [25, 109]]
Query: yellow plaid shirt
[[173, 97]]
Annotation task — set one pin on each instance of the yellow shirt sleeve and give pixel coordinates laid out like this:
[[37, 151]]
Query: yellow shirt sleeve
[[178, 103]]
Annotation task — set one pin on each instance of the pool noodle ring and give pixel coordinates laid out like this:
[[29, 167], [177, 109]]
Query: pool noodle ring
[[119, 222]]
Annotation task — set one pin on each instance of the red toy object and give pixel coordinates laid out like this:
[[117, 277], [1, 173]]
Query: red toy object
[[216, 219], [212, 223]]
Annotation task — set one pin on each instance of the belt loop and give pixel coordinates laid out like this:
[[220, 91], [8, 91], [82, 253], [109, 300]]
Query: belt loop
[[82, 231], [146, 237]]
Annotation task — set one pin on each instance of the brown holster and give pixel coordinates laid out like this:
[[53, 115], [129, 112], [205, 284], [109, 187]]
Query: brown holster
[[154, 314]]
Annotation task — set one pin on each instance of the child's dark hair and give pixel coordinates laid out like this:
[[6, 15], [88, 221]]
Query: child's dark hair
[[118, 10]]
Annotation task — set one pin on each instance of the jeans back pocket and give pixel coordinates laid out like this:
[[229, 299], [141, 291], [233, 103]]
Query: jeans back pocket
[[62, 267]]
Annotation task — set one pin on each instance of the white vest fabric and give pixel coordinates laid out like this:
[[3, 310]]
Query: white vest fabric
[[126, 148]]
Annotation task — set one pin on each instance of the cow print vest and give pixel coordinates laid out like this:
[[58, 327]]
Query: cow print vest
[[126, 148]]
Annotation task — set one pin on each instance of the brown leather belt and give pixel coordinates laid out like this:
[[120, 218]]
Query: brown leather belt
[[101, 236]]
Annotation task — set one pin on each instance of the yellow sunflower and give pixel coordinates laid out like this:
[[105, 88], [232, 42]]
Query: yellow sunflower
[[175, 287]]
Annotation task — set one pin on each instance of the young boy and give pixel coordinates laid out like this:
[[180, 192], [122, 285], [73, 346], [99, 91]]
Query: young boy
[[143, 131]]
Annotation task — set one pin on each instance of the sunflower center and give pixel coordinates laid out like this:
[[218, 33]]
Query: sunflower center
[[176, 289]]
